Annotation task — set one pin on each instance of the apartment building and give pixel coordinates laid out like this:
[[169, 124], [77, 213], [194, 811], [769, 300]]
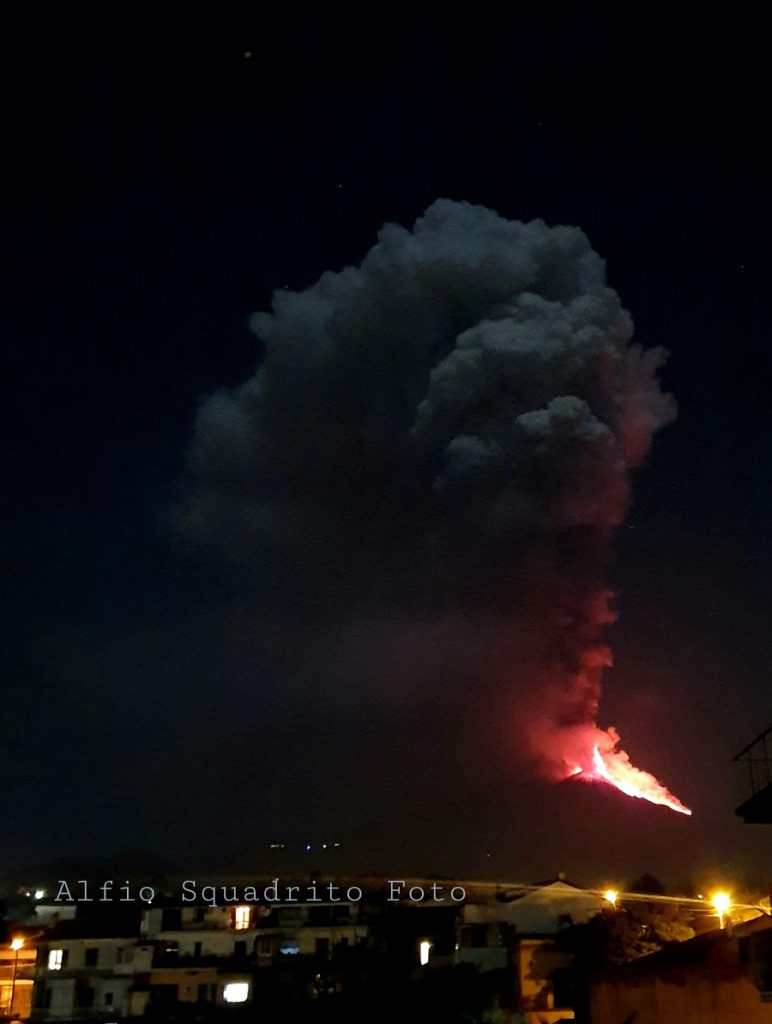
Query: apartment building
[[194, 957]]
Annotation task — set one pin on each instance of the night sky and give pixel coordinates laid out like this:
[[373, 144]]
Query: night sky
[[165, 173]]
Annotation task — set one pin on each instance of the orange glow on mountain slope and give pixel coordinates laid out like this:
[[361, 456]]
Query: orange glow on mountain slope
[[614, 767]]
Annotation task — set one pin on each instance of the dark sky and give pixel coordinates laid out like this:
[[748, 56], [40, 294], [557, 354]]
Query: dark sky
[[159, 185]]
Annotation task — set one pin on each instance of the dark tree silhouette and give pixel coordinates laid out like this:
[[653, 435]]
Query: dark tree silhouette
[[647, 884]]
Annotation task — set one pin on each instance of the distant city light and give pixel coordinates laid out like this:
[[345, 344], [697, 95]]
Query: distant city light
[[39, 894], [423, 952], [236, 992], [611, 896]]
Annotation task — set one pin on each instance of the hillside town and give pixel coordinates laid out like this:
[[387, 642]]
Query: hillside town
[[539, 954]]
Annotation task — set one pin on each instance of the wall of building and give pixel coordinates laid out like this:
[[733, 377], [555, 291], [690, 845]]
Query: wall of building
[[95, 977], [485, 959], [696, 998], [542, 911], [59, 999], [188, 983], [211, 943], [123, 956], [536, 960], [722, 977]]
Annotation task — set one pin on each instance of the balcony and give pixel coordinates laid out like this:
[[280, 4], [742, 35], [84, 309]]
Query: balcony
[[190, 961], [755, 762]]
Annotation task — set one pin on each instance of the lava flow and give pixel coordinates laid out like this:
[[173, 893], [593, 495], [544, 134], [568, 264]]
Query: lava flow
[[613, 766]]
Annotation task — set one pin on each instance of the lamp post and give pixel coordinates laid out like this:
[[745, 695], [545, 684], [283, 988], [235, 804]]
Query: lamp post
[[16, 945]]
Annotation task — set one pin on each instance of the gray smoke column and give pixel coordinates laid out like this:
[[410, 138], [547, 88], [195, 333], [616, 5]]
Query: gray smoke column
[[429, 464]]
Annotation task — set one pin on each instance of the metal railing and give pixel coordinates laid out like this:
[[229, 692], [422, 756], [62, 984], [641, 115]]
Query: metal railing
[[756, 760]]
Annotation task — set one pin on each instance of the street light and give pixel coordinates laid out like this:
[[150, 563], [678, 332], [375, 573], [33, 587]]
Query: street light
[[611, 896], [722, 903], [16, 945]]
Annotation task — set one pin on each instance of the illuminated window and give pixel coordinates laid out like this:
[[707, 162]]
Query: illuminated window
[[423, 952], [242, 918], [56, 960], [236, 992]]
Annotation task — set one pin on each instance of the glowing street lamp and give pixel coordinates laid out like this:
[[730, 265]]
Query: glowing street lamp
[[722, 904], [16, 945], [611, 896]]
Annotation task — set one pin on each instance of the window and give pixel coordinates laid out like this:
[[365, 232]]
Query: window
[[108, 997], [84, 996], [323, 948], [264, 945], [91, 959], [124, 956], [163, 997], [242, 918], [197, 947], [236, 992], [57, 959], [171, 919], [240, 949]]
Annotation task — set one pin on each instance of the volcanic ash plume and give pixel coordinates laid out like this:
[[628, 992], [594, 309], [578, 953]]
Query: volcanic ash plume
[[441, 440]]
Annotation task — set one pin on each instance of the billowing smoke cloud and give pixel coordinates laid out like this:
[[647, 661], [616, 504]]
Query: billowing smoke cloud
[[428, 466]]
